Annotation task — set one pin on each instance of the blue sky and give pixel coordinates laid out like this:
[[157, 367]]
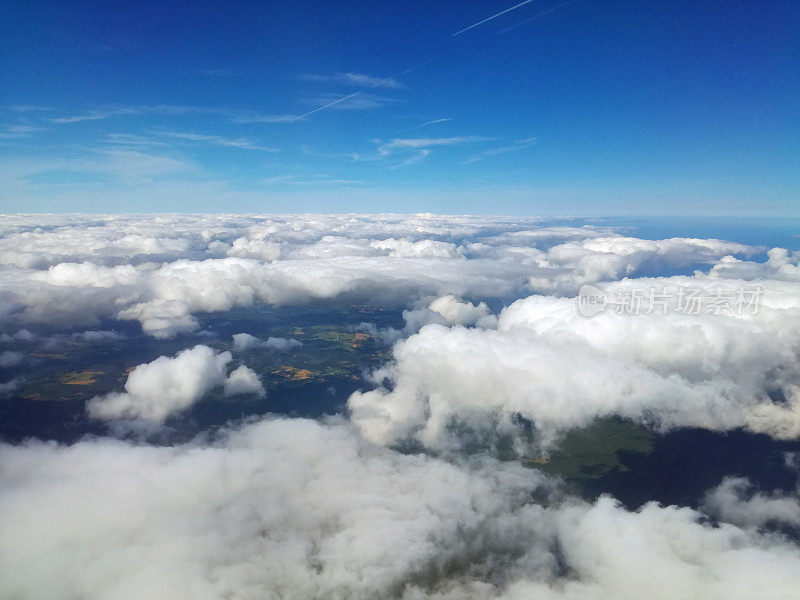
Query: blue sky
[[582, 107]]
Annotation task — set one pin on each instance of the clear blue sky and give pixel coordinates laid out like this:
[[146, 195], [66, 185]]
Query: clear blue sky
[[595, 107]]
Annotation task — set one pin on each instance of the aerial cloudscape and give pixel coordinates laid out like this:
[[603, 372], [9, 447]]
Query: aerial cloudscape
[[495, 300], [428, 479]]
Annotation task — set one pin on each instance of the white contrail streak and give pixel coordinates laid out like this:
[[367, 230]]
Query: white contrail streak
[[492, 17], [373, 86], [537, 16], [311, 112], [377, 84]]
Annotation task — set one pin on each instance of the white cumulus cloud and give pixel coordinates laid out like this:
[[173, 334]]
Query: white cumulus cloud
[[547, 363], [245, 341], [159, 389]]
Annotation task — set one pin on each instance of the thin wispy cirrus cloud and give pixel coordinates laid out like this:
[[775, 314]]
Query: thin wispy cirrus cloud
[[305, 181], [360, 99], [329, 182], [131, 139], [223, 72], [138, 166], [428, 142], [214, 140], [515, 147], [121, 166], [356, 80], [32, 108], [264, 118], [420, 148], [153, 110], [170, 138], [94, 116], [102, 115], [232, 115], [17, 131], [356, 101]]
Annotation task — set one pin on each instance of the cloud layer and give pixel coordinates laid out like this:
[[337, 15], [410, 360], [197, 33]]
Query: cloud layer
[[162, 270], [298, 509], [384, 502]]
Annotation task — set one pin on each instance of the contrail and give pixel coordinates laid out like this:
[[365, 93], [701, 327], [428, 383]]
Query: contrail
[[311, 112], [423, 63], [537, 15], [430, 123], [492, 17], [373, 86]]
